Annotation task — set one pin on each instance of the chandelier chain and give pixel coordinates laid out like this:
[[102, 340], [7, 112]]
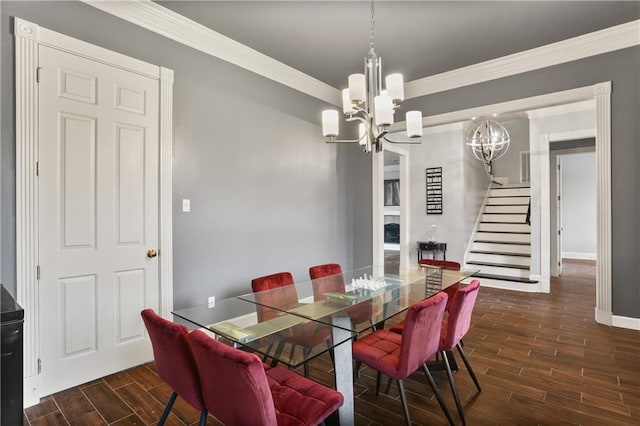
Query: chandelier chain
[[373, 24]]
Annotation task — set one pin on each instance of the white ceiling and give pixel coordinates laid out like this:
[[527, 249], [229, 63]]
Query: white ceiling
[[329, 39]]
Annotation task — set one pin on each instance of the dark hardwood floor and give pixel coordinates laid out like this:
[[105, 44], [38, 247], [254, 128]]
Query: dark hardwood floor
[[541, 359]]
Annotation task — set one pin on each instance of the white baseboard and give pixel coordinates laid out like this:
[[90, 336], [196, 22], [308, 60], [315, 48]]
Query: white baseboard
[[31, 395], [603, 317], [625, 322], [578, 255]]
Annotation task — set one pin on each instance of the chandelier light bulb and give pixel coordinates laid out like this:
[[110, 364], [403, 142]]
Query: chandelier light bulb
[[357, 88], [383, 110], [330, 123], [395, 87], [347, 106], [414, 124]]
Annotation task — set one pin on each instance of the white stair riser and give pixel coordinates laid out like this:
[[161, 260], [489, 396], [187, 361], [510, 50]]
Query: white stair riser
[[508, 200], [509, 192], [504, 248], [507, 285], [506, 209], [500, 258], [497, 270], [504, 227], [491, 236], [511, 218]]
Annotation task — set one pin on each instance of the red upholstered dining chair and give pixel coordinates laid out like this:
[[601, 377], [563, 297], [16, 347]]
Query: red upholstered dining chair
[[174, 362], [328, 278], [399, 356], [284, 295], [454, 329], [238, 391]]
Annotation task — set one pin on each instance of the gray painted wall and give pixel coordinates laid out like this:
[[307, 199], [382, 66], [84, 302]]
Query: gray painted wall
[[622, 68], [579, 203], [267, 194]]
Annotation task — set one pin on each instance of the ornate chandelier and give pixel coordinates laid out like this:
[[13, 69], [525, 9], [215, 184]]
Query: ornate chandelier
[[367, 102], [488, 141]]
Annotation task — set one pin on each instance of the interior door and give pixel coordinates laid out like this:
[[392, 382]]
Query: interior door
[[98, 217], [559, 213]]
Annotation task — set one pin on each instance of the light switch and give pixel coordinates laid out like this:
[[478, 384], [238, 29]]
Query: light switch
[[186, 205]]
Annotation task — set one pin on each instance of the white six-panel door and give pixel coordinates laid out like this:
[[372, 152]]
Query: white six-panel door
[[98, 217]]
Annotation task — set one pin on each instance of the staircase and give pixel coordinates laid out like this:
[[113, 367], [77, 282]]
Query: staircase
[[501, 246]]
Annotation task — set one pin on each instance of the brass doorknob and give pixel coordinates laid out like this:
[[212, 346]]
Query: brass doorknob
[[152, 253]]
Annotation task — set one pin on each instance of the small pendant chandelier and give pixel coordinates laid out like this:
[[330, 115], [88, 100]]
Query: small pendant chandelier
[[367, 102], [488, 141]]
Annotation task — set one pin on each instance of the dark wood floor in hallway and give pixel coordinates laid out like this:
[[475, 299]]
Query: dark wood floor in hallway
[[540, 358]]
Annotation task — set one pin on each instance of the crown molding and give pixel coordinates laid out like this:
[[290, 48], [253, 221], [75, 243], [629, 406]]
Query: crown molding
[[181, 29], [163, 21], [591, 44], [589, 105]]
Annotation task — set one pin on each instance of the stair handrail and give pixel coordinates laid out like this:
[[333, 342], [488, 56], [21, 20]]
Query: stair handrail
[[528, 218]]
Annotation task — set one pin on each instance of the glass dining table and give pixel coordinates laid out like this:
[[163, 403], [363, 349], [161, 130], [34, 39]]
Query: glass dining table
[[294, 324]]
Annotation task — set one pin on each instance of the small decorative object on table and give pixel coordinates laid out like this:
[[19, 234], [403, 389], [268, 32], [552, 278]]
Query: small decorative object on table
[[431, 232]]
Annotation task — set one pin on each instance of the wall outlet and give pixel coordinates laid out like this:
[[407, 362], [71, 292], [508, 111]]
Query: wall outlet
[[186, 205], [212, 301]]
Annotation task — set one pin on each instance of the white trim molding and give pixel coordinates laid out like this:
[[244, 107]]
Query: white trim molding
[[26, 63], [602, 92], [176, 27], [583, 46], [625, 322], [578, 255], [28, 36]]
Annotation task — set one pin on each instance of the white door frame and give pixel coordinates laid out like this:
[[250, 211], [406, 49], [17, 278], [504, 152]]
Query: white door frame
[[601, 93], [28, 36], [378, 206]]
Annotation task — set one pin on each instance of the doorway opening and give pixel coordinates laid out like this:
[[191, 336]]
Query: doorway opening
[[572, 188]]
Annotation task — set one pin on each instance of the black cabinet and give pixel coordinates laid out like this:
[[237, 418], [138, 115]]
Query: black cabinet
[[12, 317]]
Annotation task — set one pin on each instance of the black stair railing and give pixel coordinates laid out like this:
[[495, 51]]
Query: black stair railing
[[528, 218]]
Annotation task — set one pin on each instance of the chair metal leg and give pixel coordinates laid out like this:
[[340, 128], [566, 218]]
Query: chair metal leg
[[468, 364], [167, 409], [266, 353], [456, 397], [277, 353], [404, 403], [436, 391], [378, 377], [305, 352], [356, 371], [388, 385], [203, 418]]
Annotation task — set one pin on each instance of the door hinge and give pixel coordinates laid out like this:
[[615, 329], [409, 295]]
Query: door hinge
[[38, 74], [37, 168], [558, 232], [38, 272], [558, 198], [39, 365]]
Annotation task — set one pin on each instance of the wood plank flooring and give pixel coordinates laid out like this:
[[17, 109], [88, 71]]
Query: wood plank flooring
[[541, 359]]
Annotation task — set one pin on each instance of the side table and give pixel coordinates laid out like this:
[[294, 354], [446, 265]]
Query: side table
[[433, 247]]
